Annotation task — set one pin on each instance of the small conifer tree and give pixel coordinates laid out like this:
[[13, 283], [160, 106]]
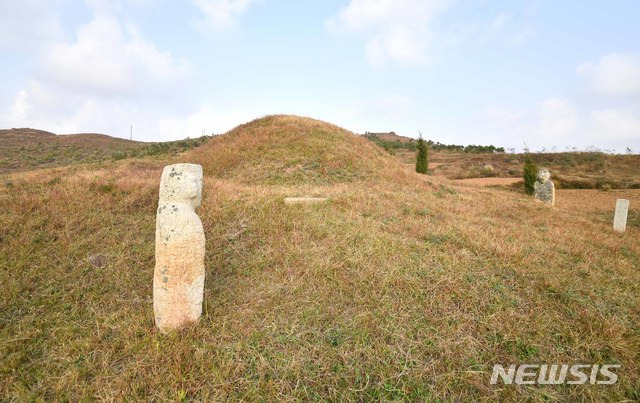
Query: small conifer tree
[[530, 175], [422, 163]]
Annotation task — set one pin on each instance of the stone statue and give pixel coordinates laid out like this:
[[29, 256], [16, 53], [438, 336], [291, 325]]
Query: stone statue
[[544, 189], [178, 279]]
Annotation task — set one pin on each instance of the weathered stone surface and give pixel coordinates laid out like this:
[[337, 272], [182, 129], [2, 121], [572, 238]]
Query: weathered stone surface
[[305, 200], [620, 216], [178, 280], [544, 188]]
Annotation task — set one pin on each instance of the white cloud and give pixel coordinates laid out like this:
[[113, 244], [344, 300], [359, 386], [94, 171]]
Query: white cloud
[[35, 102], [28, 24], [118, 7], [223, 14], [398, 30], [40, 107], [20, 107], [612, 118], [614, 75], [204, 120], [561, 123], [553, 121], [398, 43], [49, 107], [406, 31], [363, 14], [107, 78], [503, 29], [557, 118], [615, 124], [109, 59]]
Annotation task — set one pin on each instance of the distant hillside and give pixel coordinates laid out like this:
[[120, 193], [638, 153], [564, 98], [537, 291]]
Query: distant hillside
[[576, 170], [16, 136], [293, 150], [390, 136], [570, 170], [26, 149]]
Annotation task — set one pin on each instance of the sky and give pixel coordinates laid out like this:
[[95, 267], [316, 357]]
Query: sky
[[546, 75]]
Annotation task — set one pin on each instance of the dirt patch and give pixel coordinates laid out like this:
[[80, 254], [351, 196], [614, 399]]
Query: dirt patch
[[489, 181]]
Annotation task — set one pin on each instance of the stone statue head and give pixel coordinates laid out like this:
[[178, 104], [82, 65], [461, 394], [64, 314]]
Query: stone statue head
[[543, 175], [182, 183]]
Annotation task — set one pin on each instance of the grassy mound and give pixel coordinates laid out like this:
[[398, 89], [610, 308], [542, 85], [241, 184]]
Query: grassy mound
[[292, 150]]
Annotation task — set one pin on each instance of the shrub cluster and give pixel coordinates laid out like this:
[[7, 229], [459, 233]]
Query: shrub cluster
[[391, 146], [170, 147], [530, 175], [422, 164]]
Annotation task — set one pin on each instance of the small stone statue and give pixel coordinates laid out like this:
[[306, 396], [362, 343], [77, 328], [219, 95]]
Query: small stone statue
[[178, 279], [544, 189]]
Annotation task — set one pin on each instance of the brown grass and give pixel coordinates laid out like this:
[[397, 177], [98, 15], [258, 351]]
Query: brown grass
[[27, 149], [401, 287], [569, 170], [490, 181], [293, 150]]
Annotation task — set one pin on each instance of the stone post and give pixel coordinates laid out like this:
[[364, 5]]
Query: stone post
[[178, 279], [620, 216], [543, 188]]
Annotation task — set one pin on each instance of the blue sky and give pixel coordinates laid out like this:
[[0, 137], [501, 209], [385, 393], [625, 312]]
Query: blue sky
[[542, 73]]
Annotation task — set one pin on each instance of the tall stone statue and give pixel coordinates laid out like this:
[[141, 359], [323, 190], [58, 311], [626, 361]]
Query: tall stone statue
[[178, 279], [544, 189]]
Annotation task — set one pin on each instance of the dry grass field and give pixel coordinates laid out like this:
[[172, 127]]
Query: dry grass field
[[588, 170], [401, 287]]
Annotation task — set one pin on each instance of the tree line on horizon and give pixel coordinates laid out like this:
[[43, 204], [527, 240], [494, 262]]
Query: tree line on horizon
[[412, 144]]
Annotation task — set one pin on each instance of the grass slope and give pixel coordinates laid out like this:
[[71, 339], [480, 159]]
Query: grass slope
[[401, 287], [27, 149]]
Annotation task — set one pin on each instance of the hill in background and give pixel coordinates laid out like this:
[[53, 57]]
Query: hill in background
[[27, 149], [290, 149], [570, 170], [574, 170]]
